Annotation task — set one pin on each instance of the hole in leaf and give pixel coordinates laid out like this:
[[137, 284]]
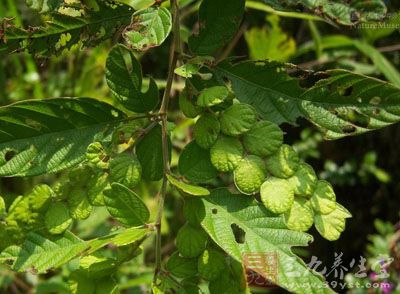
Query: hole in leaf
[[308, 80], [349, 129], [239, 233], [9, 155], [346, 92], [214, 211]]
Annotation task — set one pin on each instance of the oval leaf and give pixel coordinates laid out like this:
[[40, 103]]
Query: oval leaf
[[126, 206]]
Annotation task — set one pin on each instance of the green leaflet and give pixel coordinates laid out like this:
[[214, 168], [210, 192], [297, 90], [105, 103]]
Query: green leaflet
[[119, 238], [219, 23], [63, 31], [262, 232], [284, 163], [212, 96], [125, 169], [187, 188], [206, 130], [195, 164], [124, 78], [338, 11], [149, 28], [300, 216], [263, 139], [126, 206], [181, 267], [339, 102], [38, 137], [323, 199], [331, 225], [211, 264], [191, 241], [57, 218], [237, 119], [150, 154], [41, 254]]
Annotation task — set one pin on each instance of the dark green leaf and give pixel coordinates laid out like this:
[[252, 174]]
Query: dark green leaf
[[124, 77], [150, 154], [126, 206], [47, 136], [63, 31], [195, 163], [41, 254], [347, 13], [339, 102]]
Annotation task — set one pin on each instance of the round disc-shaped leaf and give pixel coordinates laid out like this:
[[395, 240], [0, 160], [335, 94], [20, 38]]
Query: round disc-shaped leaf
[[206, 130], [300, 217], [125, 169], [191, 241], [323, 199], [57, 218], [331, 225], [211, 264], [195, 165], [304, 180], [277, 195], [212, 96], [226, 153], [250, 174], [284, 163], [237, 119], [263, 139]]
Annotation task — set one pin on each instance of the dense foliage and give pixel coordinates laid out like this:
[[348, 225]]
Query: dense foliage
[[168, 181]]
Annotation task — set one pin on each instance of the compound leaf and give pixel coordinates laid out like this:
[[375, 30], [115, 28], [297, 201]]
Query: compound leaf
[[41, 254], [339, 102], [63, 31], [50, 135], [346, 13], [124, 77], [242, 227]]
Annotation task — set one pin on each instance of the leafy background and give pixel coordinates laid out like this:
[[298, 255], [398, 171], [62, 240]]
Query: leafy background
[[363, 169]]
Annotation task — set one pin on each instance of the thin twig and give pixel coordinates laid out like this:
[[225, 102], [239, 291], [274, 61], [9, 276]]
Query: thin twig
[[174, 51], [232, 44]]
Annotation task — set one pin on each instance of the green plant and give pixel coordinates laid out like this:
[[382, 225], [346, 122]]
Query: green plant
[[105, 152]]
